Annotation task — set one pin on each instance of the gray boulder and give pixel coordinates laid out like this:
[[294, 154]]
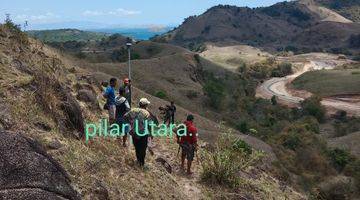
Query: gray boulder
[[89, 97], [28, 172]]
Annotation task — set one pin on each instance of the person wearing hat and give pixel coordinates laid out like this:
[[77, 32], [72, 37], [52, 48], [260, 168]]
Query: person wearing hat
[[137, 118]]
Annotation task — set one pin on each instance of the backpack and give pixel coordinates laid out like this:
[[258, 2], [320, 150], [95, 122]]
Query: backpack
[[138, 115], [121, 109]]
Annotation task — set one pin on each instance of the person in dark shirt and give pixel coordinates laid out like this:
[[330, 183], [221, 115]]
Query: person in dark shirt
[[136, 118], [122, 107], [109, 94], [127, 88], [172, 112]]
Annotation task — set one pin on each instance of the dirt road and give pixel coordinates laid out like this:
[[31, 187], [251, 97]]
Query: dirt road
[[314, 61]]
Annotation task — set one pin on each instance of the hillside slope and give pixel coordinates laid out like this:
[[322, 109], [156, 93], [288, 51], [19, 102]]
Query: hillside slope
[[39, 95], [64, 35], [347, 8], [276, 27], [324, 13], [113, 49]]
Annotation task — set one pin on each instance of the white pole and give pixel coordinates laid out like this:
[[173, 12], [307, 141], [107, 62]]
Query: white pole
[[129, 63]]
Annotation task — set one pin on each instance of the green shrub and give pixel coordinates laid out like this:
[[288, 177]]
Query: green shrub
[[340, 158], [291, 48], [16, 31], [352, 169], [312, 106], [281, 70], [229, 156], [191, 94], [241, 145], [311, 124], [161, 94], [292, 141], [121, 55], [197, 58], [242, 68], [242, 127], [273, 100], [215, 91]]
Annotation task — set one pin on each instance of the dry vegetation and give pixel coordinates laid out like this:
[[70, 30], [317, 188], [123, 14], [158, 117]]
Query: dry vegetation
[[38, 89]]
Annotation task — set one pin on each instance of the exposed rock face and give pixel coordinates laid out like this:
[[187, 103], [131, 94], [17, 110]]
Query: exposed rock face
[[101, 192], [73, 113], [6, 121], [28, 172], [89, 97], [164, 163]]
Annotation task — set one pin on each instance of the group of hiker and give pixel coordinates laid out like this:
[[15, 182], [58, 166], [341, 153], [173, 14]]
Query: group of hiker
[[120, 112]]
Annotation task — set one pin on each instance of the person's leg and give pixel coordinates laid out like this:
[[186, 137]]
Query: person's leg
[[189, 167], [124, 140], [183, 156], [173, 118], [124, 137], [143, 148], [137, 149], [140, 148], [190, 157], [112, 110]]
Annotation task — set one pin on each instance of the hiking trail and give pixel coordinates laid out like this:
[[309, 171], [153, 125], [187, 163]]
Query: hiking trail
[[188, 184]]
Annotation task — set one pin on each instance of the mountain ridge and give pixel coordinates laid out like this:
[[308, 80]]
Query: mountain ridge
[[275, 27]]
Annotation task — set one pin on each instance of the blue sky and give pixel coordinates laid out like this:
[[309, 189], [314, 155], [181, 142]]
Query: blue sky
[[113, 12]]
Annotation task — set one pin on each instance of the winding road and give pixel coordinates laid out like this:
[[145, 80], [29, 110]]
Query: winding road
[[278, 86]]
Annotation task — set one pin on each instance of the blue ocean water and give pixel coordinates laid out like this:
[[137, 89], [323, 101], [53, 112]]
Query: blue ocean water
[[135, 33]]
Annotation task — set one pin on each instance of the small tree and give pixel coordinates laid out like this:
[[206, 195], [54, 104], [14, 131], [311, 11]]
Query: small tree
[[216, 93], [273, 100], [312, 106]]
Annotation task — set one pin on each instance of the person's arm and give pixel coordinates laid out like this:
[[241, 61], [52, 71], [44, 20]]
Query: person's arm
[[194, 136], [154, 118], [106, 93], [127, 105]]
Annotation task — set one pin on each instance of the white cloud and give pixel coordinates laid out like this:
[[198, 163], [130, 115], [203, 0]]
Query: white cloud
[[40, 17], [117, 12], [92, 13], [127, 12]]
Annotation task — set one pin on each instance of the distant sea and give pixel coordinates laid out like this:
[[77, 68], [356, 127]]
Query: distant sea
[[135, 33]]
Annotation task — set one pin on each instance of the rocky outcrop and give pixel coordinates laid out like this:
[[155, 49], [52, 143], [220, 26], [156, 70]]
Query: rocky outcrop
[[28, 172], [89, 97]]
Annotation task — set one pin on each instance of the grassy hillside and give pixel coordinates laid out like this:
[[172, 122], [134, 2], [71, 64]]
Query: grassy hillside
[[199, 86], [290, 26], [208, 89], [232, 57], [34, 74], [348, 8], [329, 82], [113, 49], [64, 35]]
